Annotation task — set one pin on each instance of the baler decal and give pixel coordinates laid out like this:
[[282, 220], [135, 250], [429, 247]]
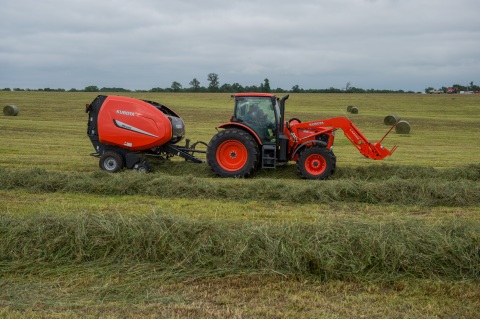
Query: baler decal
[[132, 128]]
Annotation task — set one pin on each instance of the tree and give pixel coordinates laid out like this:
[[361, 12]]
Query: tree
[[296, 88], [265, 86], [92, 88], [195, 85], [429, 89], [176, 86], [213, 79], [459, 87], [237, 87], [226, 88], [157, 89]]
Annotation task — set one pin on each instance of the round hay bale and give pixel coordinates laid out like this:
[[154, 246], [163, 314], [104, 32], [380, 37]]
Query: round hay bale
[[349, 108], [10, 110], [390, 119], [354, 110], [403, 127]]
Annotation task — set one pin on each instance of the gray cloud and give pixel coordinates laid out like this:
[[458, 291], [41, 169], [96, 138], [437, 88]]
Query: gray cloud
[[316, 44]]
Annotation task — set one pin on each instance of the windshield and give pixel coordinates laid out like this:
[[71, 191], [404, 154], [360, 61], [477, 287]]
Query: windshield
[[259, 114], [255, 108]]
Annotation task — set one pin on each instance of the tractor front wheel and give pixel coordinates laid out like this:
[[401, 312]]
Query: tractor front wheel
[[232, 153], [316, 163], [111, 162]]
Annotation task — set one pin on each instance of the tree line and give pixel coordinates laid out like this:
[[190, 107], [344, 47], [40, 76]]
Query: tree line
[[214, 86]]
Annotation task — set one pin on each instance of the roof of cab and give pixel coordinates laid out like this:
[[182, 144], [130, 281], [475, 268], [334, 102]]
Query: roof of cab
[[255, 94]]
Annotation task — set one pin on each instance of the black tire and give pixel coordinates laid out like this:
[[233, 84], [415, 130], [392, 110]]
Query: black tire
[[111, 162], [316, 162], [142, 167], [294, 119], [232, 153]]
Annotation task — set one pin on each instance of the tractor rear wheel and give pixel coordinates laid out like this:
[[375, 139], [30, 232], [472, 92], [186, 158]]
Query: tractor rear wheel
[[316, 162], [111, 162], [232, 153]]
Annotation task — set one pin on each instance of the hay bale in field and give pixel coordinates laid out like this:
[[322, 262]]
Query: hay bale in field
[[349, 108], [403, 127], [10, 110], [390, 119], [354, 110]]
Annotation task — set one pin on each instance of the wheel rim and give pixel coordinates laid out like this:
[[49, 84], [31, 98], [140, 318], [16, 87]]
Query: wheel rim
[[315, 164], [110, 164], [232, 155]]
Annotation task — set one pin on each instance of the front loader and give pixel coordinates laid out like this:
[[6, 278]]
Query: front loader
[[258, 136]]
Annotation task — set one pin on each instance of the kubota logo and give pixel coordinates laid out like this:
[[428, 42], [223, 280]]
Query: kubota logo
[[128, 113], [354, 134]]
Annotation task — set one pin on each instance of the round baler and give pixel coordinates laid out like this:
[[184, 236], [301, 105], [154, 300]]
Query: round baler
[[123, 130]]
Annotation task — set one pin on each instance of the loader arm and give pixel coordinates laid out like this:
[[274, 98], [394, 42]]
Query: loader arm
[[375, 151]]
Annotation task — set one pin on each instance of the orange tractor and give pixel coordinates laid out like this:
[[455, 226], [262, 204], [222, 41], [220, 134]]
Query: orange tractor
[[258, 136]]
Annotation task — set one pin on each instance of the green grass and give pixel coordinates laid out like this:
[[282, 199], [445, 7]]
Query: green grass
[[389, 239], [140, 291], [50, 131], [328, 249], [382, 185]]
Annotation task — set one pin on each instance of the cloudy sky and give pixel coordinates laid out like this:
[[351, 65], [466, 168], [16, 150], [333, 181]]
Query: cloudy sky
[[381, 44]]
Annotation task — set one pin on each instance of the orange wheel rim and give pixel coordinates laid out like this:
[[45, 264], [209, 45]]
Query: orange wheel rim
[[315, 164], [232, 155]]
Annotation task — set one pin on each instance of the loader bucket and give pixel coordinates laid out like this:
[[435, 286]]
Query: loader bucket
[[380, 149]]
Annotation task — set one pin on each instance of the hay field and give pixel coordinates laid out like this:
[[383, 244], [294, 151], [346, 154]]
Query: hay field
[[394, 238]]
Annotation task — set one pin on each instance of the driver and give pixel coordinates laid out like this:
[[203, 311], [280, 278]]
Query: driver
[[255, 115]]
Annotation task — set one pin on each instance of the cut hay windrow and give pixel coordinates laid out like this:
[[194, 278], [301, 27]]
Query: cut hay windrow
[[390, 119], [10, 110], [407, 186], [403, 127], [332, 249]]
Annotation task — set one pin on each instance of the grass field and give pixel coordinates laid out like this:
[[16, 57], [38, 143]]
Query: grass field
[[398, 238]]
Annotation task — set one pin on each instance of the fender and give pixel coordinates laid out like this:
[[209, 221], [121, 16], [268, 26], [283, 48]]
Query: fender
[[301, 146], [241, 126]]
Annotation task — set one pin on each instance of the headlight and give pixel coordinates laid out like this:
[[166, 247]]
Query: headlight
[[178, 129]]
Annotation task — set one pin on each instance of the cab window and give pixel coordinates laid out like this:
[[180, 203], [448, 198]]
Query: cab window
[[259, 114]]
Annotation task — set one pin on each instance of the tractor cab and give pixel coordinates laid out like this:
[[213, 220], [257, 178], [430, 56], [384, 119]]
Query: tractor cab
[[263, 114], [260, 113]]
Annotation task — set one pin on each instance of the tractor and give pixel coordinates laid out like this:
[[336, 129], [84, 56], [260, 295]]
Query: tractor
[[258, 136]]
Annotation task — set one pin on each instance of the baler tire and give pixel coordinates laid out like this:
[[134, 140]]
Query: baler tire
[[111, 162], [232, 153], [316, 162], [142, 167]]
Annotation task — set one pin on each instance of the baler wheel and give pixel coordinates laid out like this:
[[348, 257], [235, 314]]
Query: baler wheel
[[316, 163], [111, 162], [232, 153], [142, 167]]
